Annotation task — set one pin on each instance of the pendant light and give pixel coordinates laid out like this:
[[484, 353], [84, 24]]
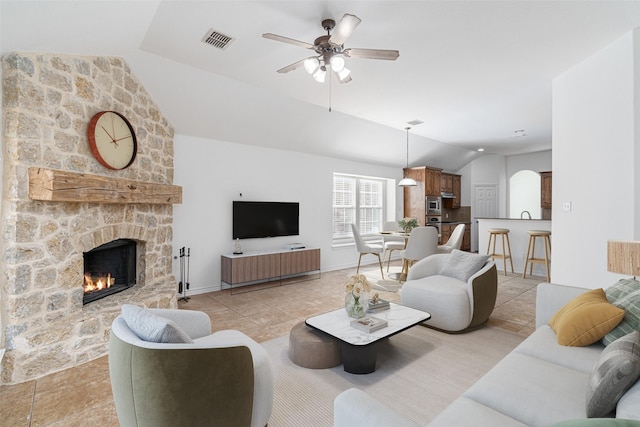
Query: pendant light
[[406, 181]]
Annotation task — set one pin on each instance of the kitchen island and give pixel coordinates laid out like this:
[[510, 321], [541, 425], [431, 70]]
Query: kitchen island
[[518, 237]]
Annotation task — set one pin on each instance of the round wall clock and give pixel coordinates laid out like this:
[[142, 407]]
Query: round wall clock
[[112, 140]]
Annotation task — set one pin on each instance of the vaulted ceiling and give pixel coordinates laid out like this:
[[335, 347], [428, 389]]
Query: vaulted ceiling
[[474, 72]]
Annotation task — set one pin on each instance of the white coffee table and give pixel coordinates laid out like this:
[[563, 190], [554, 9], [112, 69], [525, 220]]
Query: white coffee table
[[359, 349]]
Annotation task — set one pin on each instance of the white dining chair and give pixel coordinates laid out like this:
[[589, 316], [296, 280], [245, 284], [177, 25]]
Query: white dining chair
[[423, 241], [454, 242], [392, 242], [365, 248]]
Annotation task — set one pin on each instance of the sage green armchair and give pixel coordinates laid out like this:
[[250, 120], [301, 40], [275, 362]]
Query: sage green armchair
[[221, 379]]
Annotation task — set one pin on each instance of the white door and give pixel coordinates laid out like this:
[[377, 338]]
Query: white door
[[485, 205]]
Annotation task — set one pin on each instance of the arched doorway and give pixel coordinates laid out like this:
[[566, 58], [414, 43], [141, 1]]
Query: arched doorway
[[524, 194]]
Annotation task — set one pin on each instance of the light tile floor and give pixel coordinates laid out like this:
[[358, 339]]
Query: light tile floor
[[81, 396]]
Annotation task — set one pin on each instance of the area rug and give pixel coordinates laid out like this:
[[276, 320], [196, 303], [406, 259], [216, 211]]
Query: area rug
[[419, 372], [382, 283]]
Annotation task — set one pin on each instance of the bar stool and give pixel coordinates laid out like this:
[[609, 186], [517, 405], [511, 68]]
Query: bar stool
[[506, 253], [530, 258]]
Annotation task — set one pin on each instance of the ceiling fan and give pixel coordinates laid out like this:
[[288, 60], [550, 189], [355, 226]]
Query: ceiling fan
[[330, 51]]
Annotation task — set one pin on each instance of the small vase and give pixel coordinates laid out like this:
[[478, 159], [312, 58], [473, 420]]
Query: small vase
[[356, 307]]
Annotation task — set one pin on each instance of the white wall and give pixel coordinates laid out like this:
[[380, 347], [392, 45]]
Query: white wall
[[595, 154], [214, 173]]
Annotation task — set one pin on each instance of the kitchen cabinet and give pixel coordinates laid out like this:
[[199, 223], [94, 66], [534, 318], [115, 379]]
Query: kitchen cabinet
[[466, 239], [446, 183], [451, 183], [545, 190], [433, 178], [445, 232], [428, 184]]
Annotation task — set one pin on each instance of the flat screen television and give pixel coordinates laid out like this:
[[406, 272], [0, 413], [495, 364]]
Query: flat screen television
[[265, 219]]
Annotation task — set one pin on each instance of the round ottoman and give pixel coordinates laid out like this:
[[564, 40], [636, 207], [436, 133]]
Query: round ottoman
[[313, 349]]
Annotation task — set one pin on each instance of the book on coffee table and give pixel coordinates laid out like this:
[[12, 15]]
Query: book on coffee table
[[380, 305], [369, 324]]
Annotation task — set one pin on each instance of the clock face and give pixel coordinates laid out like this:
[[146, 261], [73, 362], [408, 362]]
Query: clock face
[[112, 140]]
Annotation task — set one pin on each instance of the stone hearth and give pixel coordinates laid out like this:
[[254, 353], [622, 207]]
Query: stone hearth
[[48, 101]]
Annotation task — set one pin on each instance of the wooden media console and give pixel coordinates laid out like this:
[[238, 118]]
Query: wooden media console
[[265, 266]]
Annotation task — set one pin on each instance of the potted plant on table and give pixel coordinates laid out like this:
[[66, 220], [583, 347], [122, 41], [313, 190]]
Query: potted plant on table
[[408, 224]]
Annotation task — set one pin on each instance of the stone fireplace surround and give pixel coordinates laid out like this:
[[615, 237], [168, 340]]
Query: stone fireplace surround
[[48, 100]]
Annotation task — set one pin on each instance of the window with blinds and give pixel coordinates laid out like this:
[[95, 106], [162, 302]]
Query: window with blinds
[[357, 200]]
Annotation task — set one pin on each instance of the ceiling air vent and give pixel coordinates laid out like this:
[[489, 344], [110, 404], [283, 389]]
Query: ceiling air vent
[[217, 39]]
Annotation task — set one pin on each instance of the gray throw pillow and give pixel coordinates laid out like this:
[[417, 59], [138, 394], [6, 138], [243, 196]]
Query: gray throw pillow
[[149, 327], [462, 265], [616, 371], [626, 295]]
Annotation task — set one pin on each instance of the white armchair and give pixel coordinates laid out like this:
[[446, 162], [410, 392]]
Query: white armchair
[[459, 290], [223, 378]]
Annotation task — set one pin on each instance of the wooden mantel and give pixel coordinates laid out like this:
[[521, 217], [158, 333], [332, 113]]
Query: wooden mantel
[[60, 186]]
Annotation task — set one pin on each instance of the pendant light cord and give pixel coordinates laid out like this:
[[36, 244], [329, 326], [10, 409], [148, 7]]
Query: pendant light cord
[[407, 129]]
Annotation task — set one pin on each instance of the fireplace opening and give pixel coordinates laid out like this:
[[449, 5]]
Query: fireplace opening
[[108, 269]]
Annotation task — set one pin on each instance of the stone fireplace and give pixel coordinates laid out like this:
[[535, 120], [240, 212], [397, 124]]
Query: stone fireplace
[[48, 100]]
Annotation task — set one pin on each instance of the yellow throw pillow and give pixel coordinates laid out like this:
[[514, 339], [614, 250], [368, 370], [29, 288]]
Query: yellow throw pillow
[[585, 319]]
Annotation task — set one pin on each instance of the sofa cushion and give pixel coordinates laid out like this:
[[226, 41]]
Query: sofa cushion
[[542, 344], [465, 412], [520, 385], [629, 404], [626, 295], [152, 328], [617, 370], [585, 319], [462, 265]]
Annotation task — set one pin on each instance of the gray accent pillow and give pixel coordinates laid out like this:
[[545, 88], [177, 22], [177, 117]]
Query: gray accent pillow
[[616, 371], [626, 295], [149, 327], [462, 265]]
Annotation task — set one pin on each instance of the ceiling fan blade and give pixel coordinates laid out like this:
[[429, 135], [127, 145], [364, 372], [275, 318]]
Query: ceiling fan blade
[[390, 55], [292, 67], [343, 30], [287, 40]]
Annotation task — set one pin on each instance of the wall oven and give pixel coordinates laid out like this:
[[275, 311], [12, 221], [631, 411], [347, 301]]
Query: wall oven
[[433, 205]]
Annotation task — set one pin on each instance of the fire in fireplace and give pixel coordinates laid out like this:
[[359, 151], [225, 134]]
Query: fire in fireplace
[[108, 269]]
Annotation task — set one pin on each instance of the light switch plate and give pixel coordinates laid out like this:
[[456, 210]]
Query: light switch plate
[[566, 206]]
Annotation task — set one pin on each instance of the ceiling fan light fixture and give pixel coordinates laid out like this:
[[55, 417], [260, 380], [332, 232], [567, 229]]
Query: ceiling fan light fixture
[[337, 62], [320, 74], [311, 64], [344, 73]]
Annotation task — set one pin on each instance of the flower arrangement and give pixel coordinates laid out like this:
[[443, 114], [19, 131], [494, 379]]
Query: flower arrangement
[[408, 224], [356, 287]]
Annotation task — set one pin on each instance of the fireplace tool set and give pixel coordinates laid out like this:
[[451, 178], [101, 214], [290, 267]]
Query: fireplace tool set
[[183, 285]]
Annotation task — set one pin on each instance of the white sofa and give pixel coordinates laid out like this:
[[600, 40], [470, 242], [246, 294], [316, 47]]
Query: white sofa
[[538, 384]]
